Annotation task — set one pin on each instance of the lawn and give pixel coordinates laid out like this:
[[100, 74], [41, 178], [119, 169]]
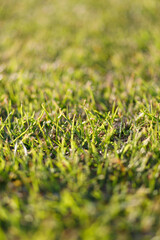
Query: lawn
[[79, 120]]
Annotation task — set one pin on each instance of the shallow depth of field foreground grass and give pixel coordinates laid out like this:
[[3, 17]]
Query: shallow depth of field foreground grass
[[79, 120]]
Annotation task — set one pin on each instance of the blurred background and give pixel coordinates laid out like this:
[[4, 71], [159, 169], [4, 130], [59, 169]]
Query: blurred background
[[104, 34]]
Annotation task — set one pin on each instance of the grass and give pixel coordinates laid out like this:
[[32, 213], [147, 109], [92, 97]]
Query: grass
[[79, 120]]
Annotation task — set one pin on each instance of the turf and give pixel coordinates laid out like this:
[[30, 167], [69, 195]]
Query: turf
[[79, 120]]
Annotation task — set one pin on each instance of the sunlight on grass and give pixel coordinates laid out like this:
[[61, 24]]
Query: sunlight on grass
[[79, 119]]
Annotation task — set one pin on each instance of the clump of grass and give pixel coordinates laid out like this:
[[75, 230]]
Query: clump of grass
[[79, 119]]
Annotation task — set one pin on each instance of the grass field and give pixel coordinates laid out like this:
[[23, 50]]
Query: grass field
[[79, 120]]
